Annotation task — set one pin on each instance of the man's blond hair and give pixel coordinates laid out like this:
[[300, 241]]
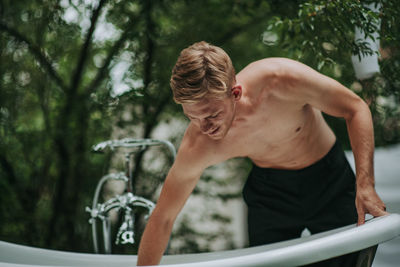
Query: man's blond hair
[[202, 70]]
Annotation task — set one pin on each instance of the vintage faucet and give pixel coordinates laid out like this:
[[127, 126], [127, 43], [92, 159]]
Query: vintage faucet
[[125, 202]]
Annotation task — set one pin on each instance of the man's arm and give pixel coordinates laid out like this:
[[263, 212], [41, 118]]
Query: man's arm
[[304, 84], [179, 184], [361, 134]]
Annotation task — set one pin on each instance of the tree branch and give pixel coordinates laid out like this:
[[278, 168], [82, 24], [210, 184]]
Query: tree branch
[[113, 51], [149, 124], [37, 53], [150, 52], [76, 78], [8, 168]]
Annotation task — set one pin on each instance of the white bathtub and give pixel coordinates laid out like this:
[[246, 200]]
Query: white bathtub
[[289, 253]]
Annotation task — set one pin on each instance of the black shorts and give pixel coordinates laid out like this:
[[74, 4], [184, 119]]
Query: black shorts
[[281, 203]]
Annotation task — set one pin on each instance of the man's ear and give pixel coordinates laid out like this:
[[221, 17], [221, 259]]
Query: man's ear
[[237, 91]]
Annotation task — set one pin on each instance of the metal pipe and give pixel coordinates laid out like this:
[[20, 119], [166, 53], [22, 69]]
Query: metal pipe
[[94, 210], [107, 236], [133, 143]]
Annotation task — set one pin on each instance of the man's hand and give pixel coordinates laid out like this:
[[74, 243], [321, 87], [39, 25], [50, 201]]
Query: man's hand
[[368, 201]]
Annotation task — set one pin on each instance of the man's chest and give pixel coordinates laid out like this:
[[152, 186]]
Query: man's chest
[[273, 134]]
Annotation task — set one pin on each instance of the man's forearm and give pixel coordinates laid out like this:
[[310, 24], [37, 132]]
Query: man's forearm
[[361, 133], [154, 240]]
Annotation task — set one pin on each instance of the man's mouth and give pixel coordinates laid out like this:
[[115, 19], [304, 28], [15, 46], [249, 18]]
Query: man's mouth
[[214, 132]]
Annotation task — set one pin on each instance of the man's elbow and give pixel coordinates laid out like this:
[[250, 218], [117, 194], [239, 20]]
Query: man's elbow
[[358, 108], [359, 111]]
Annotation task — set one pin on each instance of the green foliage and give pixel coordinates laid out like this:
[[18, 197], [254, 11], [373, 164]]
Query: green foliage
[[323, 30]]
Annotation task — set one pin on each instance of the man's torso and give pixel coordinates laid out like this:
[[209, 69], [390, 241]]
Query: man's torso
[[269, 129]]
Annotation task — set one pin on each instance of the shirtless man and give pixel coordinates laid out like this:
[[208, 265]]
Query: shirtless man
[[271, 113]]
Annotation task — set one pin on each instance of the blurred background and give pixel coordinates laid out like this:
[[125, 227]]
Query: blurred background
[[74, 73]]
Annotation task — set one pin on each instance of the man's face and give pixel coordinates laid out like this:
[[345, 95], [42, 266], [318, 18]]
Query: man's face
[[213, 117]]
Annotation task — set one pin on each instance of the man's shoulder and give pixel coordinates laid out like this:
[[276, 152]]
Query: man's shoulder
[[267, 74], [269, 69], [195, 143], [272, 63], [279, 67]]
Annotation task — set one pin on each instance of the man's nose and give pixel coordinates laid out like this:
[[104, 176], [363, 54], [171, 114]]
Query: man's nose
[[205, 126]]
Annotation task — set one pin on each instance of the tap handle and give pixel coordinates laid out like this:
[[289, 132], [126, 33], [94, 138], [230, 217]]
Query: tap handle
[[125, 235]]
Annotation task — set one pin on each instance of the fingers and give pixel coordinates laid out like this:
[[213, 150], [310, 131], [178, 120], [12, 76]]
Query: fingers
[[377, 210], [361, 218], [380, 212], [371, 204], [385, 213]]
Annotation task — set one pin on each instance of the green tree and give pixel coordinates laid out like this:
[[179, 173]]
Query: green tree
[[58, 98]]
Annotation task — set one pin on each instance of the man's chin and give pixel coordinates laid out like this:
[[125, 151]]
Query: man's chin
[[216, 137]]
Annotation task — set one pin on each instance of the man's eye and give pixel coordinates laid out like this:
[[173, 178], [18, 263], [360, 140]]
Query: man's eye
[[214, 116]]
